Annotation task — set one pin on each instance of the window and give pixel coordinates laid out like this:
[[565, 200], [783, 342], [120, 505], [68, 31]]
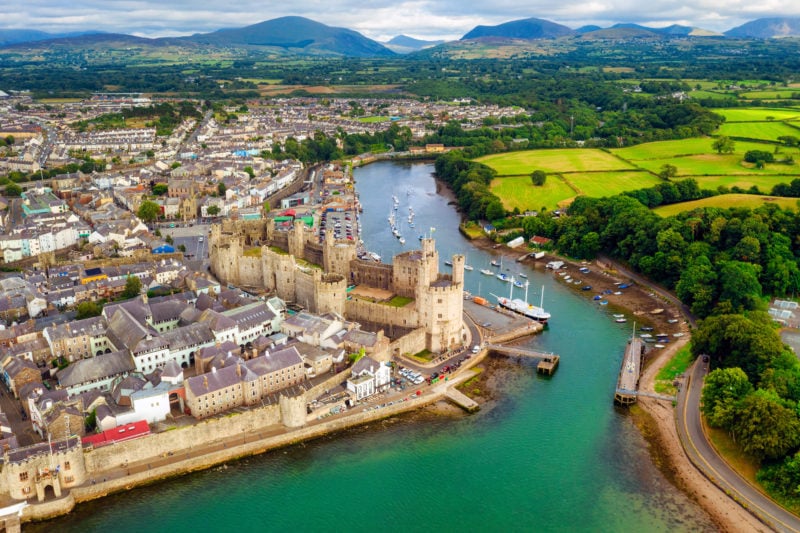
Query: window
[[67, 466], [23, 476]]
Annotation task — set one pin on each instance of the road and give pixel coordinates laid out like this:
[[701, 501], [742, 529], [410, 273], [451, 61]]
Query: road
[[704, 456]]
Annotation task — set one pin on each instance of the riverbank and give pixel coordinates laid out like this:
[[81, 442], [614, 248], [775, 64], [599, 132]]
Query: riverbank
[[654, 418]]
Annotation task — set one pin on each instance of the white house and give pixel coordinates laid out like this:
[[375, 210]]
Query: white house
[[368, 377]]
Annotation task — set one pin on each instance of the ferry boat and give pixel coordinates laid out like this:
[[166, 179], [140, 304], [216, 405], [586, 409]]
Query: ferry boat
[[523, 307]]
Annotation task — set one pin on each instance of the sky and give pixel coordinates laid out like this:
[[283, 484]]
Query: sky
[[377, 19]]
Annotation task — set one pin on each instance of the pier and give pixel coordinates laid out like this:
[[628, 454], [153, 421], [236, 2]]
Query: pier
[[628, 381], [461, 400], [548, 361]]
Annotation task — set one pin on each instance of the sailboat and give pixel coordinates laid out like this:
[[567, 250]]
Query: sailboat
[[466, 265], [523, 307]]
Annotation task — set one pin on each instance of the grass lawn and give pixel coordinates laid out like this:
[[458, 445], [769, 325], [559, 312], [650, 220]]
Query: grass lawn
[[518, 192], [471, 230], [559, 160], [674, 368], [726, 200], [742, 463], [711, 94], [754, 114], [767, 95], [759, 130], [253, 252], [599, 184], [399, 301]]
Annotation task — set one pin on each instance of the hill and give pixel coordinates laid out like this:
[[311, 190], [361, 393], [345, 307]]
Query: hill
[[403, 44], [767, 28], [531, 28], [296, 34], [9, 37]]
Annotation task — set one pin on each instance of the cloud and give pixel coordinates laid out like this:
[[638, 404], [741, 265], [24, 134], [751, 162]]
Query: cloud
[[380, 19]]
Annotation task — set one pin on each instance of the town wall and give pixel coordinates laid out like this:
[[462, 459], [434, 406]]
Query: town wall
[[412, 342], [304, 289], [179, 440], [170, 468]]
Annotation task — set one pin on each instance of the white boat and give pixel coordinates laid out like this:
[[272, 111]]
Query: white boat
[[402, 240], [620, 320], [468, 267], [523, 307], [658, 346], [679, 334], [448, 263], [503, 277], [523, 275], [518, 283], [487, 272], [618, 316], [495, 263]]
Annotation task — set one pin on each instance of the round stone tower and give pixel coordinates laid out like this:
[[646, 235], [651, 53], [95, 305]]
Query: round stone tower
[[293, 410]]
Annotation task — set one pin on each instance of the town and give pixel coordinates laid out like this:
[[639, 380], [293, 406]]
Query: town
[[192, 279]]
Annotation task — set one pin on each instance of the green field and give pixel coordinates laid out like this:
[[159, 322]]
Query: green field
[[767, 95], [726, 200], [769, 131], [665, 150], [716, 164], [373, 119], [764, 183], [517, 191], [599, 184], [560, 160], [758, 114]]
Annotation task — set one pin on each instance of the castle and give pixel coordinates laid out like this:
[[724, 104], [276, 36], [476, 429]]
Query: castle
[[291, 264]]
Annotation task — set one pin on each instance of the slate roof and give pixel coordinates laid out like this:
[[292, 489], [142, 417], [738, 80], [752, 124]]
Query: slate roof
[[97, 368], [187, 336], [251, 315], [167, 311]]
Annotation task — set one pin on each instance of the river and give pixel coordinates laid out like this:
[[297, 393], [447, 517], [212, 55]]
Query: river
[[549, 454]]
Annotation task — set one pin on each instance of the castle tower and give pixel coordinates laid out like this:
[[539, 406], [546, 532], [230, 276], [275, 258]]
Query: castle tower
[[293, 409], [458, 269], [297, 239], [331, 293]]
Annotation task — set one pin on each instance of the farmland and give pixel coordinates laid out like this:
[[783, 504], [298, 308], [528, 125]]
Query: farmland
[[726, 200], [560, 160], [597, 173]]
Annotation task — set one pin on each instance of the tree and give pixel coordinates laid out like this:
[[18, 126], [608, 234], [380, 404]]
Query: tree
[[221, 188], [88, 310], [764, 427], [12, 189], [739, 284], [182, 248], [148, 211], [538, 177], [168, 239], [160, 189], [250, 171], [723, 145], [133, 286], [212, 210], [756, 156], [697, 286], [668, 171], [495, 210], [723, 389]]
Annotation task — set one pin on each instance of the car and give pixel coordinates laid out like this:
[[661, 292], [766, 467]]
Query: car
[[705, 359], [487, 324], [586, 288], [477, 348]]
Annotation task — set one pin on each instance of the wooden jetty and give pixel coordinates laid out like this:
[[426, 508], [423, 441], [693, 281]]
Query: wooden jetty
[[629, 372], [548, 361]]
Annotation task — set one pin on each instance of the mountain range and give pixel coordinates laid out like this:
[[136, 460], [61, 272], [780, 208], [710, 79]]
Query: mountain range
[[302, 36]]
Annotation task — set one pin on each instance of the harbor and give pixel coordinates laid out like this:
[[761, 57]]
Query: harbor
[[559, 432]]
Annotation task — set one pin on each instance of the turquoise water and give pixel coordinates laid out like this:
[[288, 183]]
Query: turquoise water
[[549, 454]]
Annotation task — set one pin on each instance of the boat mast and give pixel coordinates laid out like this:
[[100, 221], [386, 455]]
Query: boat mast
[[511, 289], [541, 304], [526, 291]]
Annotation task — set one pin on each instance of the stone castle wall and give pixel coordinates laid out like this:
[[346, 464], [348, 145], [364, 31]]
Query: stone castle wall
[[372, 274], [179, 440]]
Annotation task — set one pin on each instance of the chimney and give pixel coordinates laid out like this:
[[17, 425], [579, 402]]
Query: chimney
[[239, 370], [205, 381], [254, 353]]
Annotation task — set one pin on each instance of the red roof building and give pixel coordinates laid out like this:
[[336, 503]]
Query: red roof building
[[118, 434]]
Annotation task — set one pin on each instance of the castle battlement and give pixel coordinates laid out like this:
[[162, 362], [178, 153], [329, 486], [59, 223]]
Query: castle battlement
[[437, 305]]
